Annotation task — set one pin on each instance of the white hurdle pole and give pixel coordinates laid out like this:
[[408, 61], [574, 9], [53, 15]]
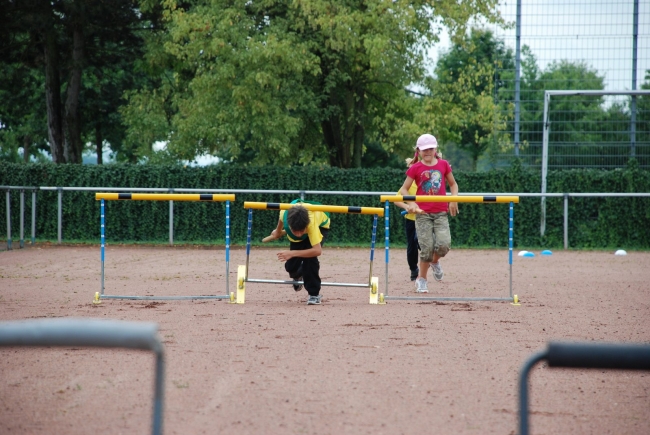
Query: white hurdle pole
[[163, 197], [376, 211], [455, 198]]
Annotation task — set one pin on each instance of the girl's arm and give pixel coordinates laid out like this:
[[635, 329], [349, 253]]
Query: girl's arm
[[411, 207], [453, 187]]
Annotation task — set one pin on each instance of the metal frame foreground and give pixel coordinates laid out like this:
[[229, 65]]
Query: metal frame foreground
[[449, 198], [581, 355], [93, 333], [242, 271], [164, 197]]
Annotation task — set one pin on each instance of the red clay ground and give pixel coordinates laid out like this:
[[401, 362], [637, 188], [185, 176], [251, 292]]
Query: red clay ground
[[275, 365]]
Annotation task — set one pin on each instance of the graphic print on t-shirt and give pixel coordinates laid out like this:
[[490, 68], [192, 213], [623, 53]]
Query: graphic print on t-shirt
[[431, 182]]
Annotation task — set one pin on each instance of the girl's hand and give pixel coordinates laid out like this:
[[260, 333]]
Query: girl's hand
[[412, 207], [453, 208]]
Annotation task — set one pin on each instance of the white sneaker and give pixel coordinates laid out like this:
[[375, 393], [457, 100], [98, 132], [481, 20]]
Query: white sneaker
[[421, 285], [314, 300], [438, 274]]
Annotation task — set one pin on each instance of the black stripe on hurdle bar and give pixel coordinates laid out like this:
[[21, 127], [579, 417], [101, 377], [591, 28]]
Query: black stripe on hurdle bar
[[123, 196], [205, 197], [272, 206], [409, 198], [489, 199], [354, 209]]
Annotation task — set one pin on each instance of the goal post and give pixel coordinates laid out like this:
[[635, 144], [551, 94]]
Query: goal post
[[547, 130]]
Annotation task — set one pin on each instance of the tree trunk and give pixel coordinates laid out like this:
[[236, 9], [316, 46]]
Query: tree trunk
[[99, 141], [53, 96], [26, 141], [359, 130], [73, 145]]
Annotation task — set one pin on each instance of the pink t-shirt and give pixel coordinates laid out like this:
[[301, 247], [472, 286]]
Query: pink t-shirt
[[431, 181]]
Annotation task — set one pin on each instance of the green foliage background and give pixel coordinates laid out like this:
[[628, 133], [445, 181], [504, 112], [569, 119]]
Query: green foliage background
[[593, 222]]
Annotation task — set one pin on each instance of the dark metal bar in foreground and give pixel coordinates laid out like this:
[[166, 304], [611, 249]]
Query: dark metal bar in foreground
[[93, 333], [621, 356]]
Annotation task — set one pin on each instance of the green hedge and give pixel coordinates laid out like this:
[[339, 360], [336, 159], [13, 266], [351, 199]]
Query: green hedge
[[593, 222]]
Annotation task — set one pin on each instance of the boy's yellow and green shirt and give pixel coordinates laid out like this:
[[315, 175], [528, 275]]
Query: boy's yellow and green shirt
[[317, 219]]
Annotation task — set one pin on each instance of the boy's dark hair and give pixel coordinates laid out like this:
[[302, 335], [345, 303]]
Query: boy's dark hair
[[297, 218]]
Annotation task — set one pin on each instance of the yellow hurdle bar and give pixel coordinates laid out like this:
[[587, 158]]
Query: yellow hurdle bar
[[313, 207], [450, 198], [166, 196]]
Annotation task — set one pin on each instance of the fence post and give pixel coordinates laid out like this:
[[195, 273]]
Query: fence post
[[33, 217], [22, 219], [8, 220], [59, 214], [171, 220], [566, 221]]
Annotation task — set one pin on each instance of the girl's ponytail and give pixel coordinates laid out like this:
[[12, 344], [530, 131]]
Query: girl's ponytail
[[414, 160]]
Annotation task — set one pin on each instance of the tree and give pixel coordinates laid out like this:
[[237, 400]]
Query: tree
[[62, 39], [468, 78], [22, 113], [295, 82]]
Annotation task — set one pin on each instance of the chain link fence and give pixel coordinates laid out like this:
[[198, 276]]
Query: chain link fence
[[572, 45]]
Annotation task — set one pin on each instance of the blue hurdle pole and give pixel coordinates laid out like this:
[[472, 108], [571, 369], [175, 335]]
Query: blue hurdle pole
[[248, 239], [510, 237], [101, 229], [372, 248], [227, 246], [386, 236]]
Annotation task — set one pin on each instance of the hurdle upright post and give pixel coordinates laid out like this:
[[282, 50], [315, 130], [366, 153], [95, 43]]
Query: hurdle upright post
[[248, 239], [227, 245], [102, 246], [372, 247], [510, 237], [387, 242]]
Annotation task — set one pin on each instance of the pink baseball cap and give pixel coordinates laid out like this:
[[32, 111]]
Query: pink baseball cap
[[427, 141]]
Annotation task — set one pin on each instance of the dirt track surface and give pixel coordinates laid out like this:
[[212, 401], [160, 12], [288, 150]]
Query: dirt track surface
[[277, 366]]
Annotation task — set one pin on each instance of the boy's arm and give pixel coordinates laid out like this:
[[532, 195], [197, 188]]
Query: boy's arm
[[277, 232], [314, 251]]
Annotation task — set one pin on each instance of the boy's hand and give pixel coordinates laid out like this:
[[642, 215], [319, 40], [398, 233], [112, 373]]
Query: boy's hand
[[285, 255], [453, 208]]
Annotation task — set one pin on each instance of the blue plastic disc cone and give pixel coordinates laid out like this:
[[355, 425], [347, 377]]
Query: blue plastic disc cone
[[528, 254], [547, 252]]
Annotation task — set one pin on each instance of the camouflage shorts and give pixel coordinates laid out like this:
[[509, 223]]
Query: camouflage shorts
[[433, 235]]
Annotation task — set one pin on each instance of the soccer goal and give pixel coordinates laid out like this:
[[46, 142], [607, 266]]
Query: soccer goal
[[593, 129]]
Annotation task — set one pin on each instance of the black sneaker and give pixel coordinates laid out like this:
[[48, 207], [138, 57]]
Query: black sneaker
[[415, 273], [297, 287]]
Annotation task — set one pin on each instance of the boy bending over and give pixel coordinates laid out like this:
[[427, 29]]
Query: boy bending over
[[306, 231]]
